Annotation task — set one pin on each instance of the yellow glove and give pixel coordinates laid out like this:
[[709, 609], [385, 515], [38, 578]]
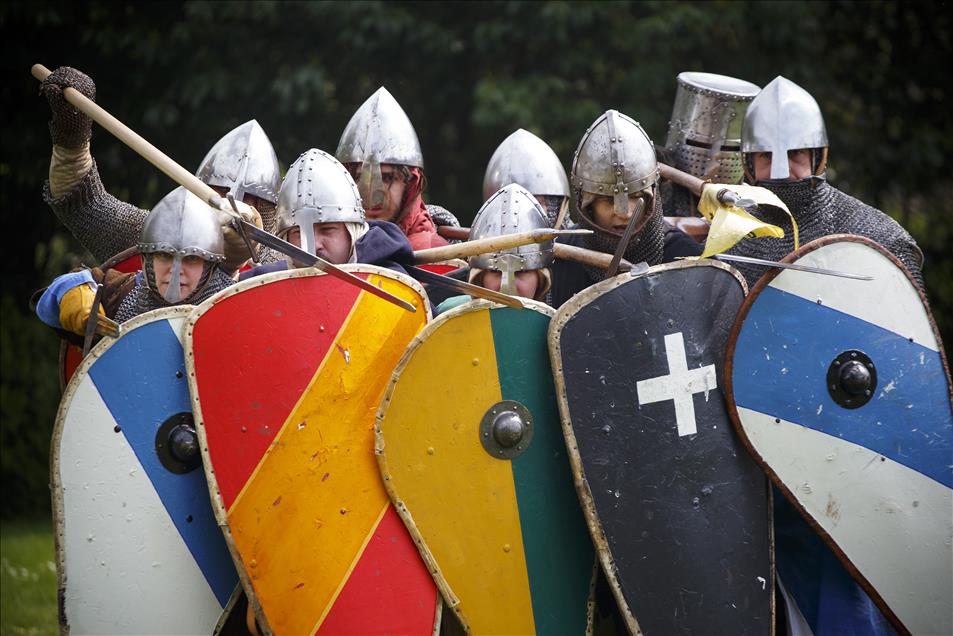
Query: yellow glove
[[236, 252], [730, 224], [75, 307]]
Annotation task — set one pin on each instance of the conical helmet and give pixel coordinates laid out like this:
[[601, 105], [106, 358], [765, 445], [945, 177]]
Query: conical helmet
[[782, 117], [704, 133], [243, 161], [316, 189], [181, 224], [525, 159], [510, 210], [615, 158], [379, 132]]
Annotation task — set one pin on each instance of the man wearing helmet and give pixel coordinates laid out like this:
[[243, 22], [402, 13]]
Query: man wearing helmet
[[704, 135], [615, 178], [525, 159], [242, 163], [320, 211], [380, 148], [182, 252], [784, 142]]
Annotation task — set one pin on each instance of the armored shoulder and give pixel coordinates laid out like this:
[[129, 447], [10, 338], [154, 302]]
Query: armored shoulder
[[442, 216]]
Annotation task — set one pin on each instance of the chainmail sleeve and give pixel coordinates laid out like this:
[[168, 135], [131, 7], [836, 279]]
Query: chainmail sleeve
[[102, 224]]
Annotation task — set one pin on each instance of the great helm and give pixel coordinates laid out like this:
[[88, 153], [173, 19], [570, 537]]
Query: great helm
[[527, 160], [316, 189], [379, 132], [181, 224], [615, 158], [511, 209], [782, 117], [243, 161], [704, 133]]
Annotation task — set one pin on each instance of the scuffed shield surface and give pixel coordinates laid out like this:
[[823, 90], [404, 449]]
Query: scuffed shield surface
[[472, 454], [873, 477], [677, 509], [287, 371], [137, 546]]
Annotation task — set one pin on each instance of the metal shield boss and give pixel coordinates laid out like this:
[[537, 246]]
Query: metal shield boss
[[472, 454], [286, 372], [678, 511], [841, 390], [138, 549]]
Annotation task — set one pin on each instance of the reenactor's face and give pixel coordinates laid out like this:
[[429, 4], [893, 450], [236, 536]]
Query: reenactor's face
[[332, 242], [608, 218], [527, 282], [799, 165], [190, 273], [393, 193]]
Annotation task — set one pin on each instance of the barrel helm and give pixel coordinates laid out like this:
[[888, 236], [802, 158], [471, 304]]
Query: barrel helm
[[512, 209], [615, 158], [243, 161], [316, 189], [379, 132], [783, 117], [527, 160], [181, 225], [704, 133]]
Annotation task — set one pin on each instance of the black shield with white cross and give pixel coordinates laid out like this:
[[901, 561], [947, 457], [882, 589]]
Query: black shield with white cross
[[678, 510]]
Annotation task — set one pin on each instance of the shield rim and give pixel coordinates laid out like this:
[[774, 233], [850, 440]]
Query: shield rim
[[586, 501], [763, 282], [215, 496], [56, 484], [446, 592]]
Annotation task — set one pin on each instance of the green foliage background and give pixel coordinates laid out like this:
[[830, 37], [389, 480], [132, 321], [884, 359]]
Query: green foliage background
[[468, 74]]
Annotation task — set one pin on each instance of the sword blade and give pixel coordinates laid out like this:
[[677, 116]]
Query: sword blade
[[464, 288], [303, 257], [794, 266]]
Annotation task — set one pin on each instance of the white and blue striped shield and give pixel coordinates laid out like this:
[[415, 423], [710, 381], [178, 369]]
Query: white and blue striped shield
[[841, 391], [138, 549]]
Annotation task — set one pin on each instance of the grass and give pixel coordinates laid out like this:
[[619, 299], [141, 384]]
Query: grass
[[27, 578]]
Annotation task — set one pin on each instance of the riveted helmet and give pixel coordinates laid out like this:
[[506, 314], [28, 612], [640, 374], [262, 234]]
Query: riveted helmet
[[181, 225], [316, 189], [244, 162], [704, 133]]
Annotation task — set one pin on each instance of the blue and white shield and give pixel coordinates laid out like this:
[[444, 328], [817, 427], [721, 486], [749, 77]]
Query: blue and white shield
[[138, 550], [840, 389]]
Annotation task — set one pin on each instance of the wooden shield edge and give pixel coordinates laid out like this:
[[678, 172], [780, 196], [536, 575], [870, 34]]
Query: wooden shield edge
[[586, 501], [475, 305], [56, 485], [763, 282], [215, 495]]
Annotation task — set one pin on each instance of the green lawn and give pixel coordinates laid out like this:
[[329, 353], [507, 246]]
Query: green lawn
[[27, 578]]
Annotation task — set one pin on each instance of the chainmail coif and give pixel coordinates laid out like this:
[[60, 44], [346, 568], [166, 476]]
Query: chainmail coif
[[142, 299], [820, 210]]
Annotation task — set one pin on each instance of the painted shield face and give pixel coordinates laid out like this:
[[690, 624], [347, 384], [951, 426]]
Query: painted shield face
[[137, 542], [289, 433], [840, 389], [480, 470], [656, 461]]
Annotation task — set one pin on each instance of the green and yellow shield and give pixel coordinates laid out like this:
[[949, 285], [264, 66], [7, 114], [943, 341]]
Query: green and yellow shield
[[472, 453]]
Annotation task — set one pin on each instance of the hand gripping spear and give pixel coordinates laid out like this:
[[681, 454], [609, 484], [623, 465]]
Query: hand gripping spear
[[191, 183]]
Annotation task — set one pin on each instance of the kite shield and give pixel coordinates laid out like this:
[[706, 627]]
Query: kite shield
[[678, 511], [472, 454], [840, 389], [286, 372], [137, 546]]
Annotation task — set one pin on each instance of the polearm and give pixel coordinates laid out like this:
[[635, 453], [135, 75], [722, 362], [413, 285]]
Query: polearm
[[695, 185], [560, 250], [486, 245], [192, 183]]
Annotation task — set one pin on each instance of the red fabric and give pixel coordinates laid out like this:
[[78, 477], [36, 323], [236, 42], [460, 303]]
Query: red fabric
[[413, 218]]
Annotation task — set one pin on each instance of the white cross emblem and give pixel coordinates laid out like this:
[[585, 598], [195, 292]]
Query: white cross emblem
[[679, 385]]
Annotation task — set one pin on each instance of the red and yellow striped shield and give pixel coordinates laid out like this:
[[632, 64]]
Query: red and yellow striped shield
[[286, 372]]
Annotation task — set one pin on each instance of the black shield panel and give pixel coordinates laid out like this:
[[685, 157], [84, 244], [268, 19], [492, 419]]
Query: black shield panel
[[678, 510]]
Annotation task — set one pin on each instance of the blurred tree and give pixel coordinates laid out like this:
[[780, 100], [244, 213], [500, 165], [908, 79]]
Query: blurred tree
[[184, 73]]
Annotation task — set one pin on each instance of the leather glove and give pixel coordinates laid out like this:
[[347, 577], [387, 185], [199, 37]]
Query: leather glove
[[236, 252]]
